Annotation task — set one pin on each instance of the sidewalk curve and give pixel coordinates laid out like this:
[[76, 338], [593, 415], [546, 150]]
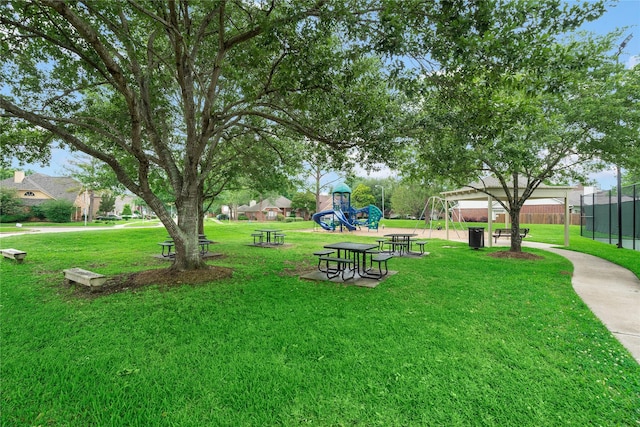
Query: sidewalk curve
[[611, 292]]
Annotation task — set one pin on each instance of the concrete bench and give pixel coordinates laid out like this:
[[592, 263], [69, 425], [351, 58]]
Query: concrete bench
[[84, 277], [15, 254]]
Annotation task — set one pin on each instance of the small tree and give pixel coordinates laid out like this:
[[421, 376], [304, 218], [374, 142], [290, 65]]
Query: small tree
[[11, 208], [10, 204], [304, 201], [362, 196], [107, 202], [126, 211], [58, 210]]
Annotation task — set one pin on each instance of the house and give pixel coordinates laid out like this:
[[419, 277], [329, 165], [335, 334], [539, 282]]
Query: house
[[267, 209], [39, 188]]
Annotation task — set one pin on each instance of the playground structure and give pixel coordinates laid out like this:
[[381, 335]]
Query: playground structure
[[436, 208], [343, 215]]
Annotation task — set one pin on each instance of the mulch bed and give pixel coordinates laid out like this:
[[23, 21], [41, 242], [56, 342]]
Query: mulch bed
[[163, 277]]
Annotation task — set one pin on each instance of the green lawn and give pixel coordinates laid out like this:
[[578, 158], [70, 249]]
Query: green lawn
[[455, 338]]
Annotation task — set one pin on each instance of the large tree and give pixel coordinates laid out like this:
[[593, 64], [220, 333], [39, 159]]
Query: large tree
[[512, 96], [187, 94]]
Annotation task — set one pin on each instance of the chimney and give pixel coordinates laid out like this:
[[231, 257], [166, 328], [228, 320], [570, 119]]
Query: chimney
[[18, 177]]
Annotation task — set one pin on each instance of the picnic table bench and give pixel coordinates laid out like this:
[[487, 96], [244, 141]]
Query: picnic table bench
[[168, 245], [378, 257], [506, 232], [340, 268], [84, 277], [14, 254]]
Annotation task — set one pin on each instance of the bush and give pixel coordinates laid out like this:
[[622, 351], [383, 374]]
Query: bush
[[242, 218], [37, 212], [14, 218], [294, 219], [58, 210], [10, 203]]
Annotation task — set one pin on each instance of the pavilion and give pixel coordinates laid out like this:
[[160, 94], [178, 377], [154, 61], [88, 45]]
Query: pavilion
[[490, 189]]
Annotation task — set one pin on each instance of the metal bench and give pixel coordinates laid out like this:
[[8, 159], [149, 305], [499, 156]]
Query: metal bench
[[420, 244], [321, 254], [257, 238], [278, 238], [506, 232], [340, 268], [381, 243], [379, 258], [14, 254], [399, 247]]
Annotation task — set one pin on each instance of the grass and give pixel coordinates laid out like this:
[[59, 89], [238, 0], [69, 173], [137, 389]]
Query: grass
[[449, 340]]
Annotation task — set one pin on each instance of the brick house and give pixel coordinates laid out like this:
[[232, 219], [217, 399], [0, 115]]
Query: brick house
[[267, 209]]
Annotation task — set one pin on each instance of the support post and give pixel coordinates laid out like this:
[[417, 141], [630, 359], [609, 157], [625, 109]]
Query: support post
[[567, 220]]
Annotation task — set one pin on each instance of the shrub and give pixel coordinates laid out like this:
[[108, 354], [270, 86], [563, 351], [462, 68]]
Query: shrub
[[38, 212], [58, 210], [10, 203]]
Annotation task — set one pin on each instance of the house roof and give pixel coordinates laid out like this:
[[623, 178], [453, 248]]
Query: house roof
[[58, 188], [280, 202]]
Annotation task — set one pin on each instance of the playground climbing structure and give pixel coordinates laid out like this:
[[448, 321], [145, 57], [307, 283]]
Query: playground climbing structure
[[343, 215]]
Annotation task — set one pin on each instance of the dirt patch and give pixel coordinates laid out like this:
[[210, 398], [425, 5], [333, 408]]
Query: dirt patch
[[515, 255], [162, 277]]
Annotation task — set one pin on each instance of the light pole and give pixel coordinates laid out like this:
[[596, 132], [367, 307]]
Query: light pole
[[619, 171], [382, 188]]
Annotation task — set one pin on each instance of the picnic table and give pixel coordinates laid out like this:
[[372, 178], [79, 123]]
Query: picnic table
[[269, 234], [400, 242], [349, 253], [167, 246]]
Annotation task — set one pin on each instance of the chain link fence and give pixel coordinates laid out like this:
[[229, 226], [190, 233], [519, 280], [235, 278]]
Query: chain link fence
[[599, 217]]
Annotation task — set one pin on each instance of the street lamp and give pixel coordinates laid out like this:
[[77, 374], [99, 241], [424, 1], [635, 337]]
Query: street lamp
[[382, 188], [619, 171]]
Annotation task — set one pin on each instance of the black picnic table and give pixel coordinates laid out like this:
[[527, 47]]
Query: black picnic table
[[268, 232], [357, 250], [168, 245], [400, 241]]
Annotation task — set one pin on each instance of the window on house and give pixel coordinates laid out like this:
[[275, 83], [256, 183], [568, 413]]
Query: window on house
[[29, 194]]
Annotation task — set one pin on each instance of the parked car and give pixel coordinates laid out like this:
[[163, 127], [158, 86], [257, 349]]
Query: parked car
[[109, 217]]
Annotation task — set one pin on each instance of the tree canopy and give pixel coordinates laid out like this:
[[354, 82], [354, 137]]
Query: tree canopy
[[191, 94], [518, 96]]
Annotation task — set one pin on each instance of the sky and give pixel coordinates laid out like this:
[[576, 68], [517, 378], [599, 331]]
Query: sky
[[625, 13]]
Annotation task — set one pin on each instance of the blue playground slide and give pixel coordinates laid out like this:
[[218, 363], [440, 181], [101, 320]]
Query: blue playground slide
[[339, 215], [372, 211], [343, 220], [317, 217]]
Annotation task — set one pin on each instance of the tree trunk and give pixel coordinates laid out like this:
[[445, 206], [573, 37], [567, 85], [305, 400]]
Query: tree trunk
[[184, 234], [516, 241]]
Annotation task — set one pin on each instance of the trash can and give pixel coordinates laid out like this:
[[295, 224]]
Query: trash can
[[476, 237]]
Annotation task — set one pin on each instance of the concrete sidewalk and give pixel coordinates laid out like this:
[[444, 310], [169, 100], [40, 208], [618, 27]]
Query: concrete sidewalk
[[611, 292]]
